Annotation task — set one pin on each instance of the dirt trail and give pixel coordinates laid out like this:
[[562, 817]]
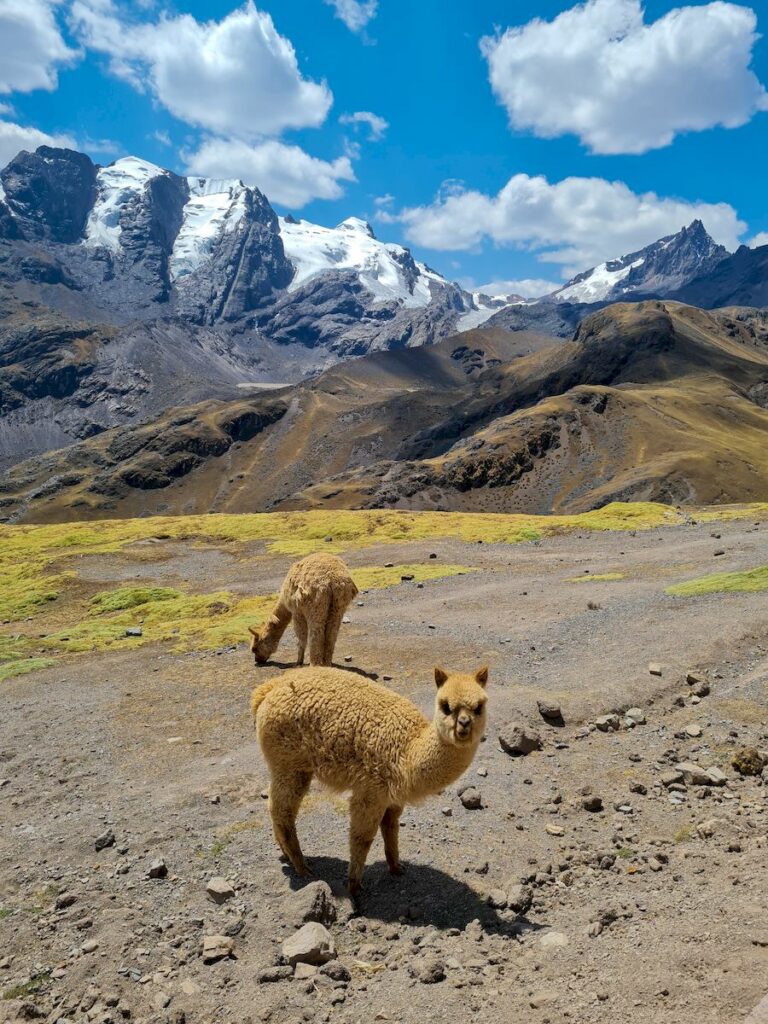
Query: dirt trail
[[656, 905]]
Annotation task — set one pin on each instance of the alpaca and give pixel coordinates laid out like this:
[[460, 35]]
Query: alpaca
[[367, 739], [315, 594]]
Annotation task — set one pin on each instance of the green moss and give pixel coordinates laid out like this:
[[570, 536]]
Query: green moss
[[25, 588], [5, 912], [22, 666], [605, 577], [29, 988], [131, 597], [625, 853], [750, 581]]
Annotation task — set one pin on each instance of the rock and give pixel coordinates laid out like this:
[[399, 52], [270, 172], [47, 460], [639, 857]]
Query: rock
[[133, 631], [671, 777], [447, 811], [607, 723], [336, 971], [718, 776], [655, 668], [518, 740], [160, 1000], [519, 898], [553, 940], [707, 829], [303, 972], [542, 997], [272, 974], [220, 890], [698, 684], [549, 710], [635, 715], [638, 787], [555, 830], [497, 899], [311, 944], [104, 840], [314, 902], [157, 869], [429, 971], [720, 551], [471, 798], [90, 946], [592, 803], [64, 900], [694, 774], [217, 947], [748, 761], [693, 730]]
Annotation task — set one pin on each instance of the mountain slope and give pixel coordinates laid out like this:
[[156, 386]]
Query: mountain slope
[[740, 279], [648, 400]]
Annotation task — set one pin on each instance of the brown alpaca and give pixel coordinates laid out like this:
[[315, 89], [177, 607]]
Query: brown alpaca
[[367, 739], [315, 594]]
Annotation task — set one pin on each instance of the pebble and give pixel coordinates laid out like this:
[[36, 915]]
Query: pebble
[[497, 899], [555, 830], [519, 898], [518, 740], [592, 803], [655, 669], [272, 974], [471, 798], [217, 947], [311, 944], [314, 902], [693, 730], [104, 840], [220, 890], [133, 631], [607, 723], [549, 710], [635, 715], [429, 971], [157, 869], [90, 946]]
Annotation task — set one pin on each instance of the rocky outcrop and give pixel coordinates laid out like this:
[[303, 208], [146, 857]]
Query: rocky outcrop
[[49, 194]]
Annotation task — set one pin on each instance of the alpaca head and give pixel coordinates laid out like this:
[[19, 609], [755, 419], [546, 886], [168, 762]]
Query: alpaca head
[[262, 646], [460, 706]]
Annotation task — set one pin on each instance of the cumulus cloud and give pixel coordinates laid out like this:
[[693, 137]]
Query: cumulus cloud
[[354, 13], [529, 287], [237, 76], [761, 238], [15, 137], [377, 126], [33, 48], [576, 222], [286, 174], [622, 85]]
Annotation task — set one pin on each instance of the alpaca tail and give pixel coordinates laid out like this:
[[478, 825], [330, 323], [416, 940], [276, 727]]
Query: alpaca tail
[[260, 694]]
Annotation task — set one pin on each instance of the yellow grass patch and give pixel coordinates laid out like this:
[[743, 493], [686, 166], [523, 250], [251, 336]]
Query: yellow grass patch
[[750, 581], [603, 577]]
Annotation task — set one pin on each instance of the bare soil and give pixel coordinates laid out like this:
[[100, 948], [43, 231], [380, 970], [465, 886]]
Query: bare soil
[[159, 748]]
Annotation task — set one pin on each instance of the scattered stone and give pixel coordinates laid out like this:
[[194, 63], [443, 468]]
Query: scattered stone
[[497, 899], [671, 777], [336, 971], [638, 787], [655, 668], [592, 803], [717, 776], [471, 798], [220, 890], [635, 715], [748, 761], [157, 869], [272, 974], [314, 902], [720, 551], [447, 811], [104, 840], [217, 947], [133, 631], [432, 554], [303, 972], [694, 774], [542, 998], [429, 971], [64, 900], [555, 830], [311, 944], [549, 710], [693, 730], [518, 740], [90, 946], [607, 723], [519, 898]]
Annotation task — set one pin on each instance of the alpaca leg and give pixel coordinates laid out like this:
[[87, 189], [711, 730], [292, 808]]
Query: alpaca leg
[[332, 627], [285, 796], [317, 618], [365, 814], [300, 625], [390, 831]]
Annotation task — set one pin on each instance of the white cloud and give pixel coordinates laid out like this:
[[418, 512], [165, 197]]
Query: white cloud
[[162, 137], [237, 76], [286, 174], [600, 72], [382, 202], [6, 110], [377, 125], [15, 137], [576, 222], [33, 48], [761, 238], [529, 287], [354, 13]]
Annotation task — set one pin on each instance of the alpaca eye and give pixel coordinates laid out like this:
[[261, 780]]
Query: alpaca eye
[[479, 709], [445, 707]]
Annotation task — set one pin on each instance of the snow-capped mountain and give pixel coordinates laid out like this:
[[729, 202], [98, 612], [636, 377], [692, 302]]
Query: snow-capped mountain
[[659, 269]]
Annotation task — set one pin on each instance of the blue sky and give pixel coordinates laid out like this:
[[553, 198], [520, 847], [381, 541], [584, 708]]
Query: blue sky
[[501, 148]]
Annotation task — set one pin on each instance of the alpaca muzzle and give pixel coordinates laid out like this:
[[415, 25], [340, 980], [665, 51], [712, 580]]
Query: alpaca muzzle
[[463, 726]]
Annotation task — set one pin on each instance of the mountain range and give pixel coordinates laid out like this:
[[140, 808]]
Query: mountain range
[[128, 292]]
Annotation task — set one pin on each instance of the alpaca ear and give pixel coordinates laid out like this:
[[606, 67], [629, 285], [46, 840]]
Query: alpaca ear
[[253, 631], [481, 676], [440, 676]]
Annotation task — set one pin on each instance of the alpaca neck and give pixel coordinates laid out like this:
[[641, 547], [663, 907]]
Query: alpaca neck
[[435, 764], [277, 623]]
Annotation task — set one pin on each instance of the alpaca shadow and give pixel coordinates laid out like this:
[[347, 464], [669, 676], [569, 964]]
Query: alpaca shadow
[[423, 894], [272, 663]]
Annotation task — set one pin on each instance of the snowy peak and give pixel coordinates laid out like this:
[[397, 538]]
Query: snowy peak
[[214, 207], [387, 271], [118, 186], [659, 269]]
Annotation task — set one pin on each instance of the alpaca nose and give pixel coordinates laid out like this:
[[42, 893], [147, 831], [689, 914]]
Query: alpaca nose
[[463, 722]]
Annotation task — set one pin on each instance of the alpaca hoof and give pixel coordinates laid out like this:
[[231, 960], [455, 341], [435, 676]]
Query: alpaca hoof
[[304, 871], [354, 887], [397, 869]]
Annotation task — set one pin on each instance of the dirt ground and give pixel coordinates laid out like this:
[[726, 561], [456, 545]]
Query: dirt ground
[[656, 906]]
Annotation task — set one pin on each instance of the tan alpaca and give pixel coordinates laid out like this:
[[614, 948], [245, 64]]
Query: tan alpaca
[[316, 593], [367, 739]]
